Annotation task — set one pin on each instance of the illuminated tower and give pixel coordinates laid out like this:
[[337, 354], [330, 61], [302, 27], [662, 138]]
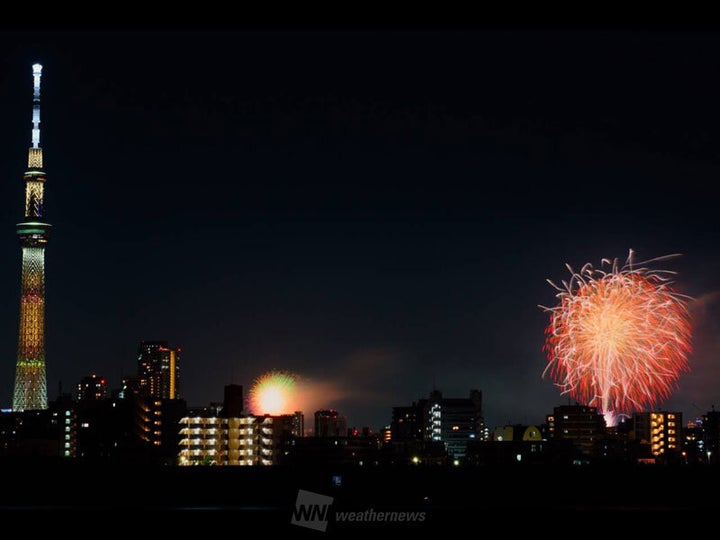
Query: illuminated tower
[[158, 370], [30, 381]]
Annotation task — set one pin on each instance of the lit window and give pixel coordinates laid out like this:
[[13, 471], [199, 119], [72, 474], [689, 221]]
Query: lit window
[[67, 445], [67, 413], [85, 425], [67, 421]]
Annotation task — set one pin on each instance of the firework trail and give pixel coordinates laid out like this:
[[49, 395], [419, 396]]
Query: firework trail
[[618, 338]]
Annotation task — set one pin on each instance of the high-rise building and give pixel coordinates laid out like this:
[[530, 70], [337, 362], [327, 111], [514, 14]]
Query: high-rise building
[[30, 379], [328, 423], [33, 433], [290, 425], [64, 419], [711, 435], [454, 421], [581, 425], [693, 446], [408, 423], [92, 387], [203, 439], [662, 430], [106, 431], [156, 425], [159, 370], [298, 424], [131, 386], [250, 440], [233, 403], [132, 429], [207, 439], [451, 421]]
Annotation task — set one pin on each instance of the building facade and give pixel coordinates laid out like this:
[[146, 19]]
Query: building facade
[[233, 403], [580, 424], [92, 387], [328, 423], [158, 370], [454, 421], [207, 439], [661, 430], [408, 422], [711, 435]]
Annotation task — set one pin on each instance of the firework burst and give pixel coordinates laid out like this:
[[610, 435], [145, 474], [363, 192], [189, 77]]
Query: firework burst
[[274, 392], [618, 338]]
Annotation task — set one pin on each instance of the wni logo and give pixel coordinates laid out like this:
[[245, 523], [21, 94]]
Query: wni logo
[[311, 510]]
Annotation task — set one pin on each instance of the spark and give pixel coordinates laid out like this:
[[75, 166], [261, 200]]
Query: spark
[[274, 393], [619, 337]]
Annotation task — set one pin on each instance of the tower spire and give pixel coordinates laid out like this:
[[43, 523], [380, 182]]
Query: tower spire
[[30, 379], [35, 154], [37, 73]]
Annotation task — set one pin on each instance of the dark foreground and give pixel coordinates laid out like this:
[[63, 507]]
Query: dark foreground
[[406, 500]]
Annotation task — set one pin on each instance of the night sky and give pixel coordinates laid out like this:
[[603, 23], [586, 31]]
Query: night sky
[[377, 211]]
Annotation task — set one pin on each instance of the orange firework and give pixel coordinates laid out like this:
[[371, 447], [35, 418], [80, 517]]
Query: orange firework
[[274, 392], [618, 339]]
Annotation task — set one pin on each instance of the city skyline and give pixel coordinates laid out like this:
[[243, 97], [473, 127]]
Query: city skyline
[[374, 211]]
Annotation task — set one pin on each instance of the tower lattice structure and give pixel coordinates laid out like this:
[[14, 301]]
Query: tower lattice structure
[[30, 378]]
